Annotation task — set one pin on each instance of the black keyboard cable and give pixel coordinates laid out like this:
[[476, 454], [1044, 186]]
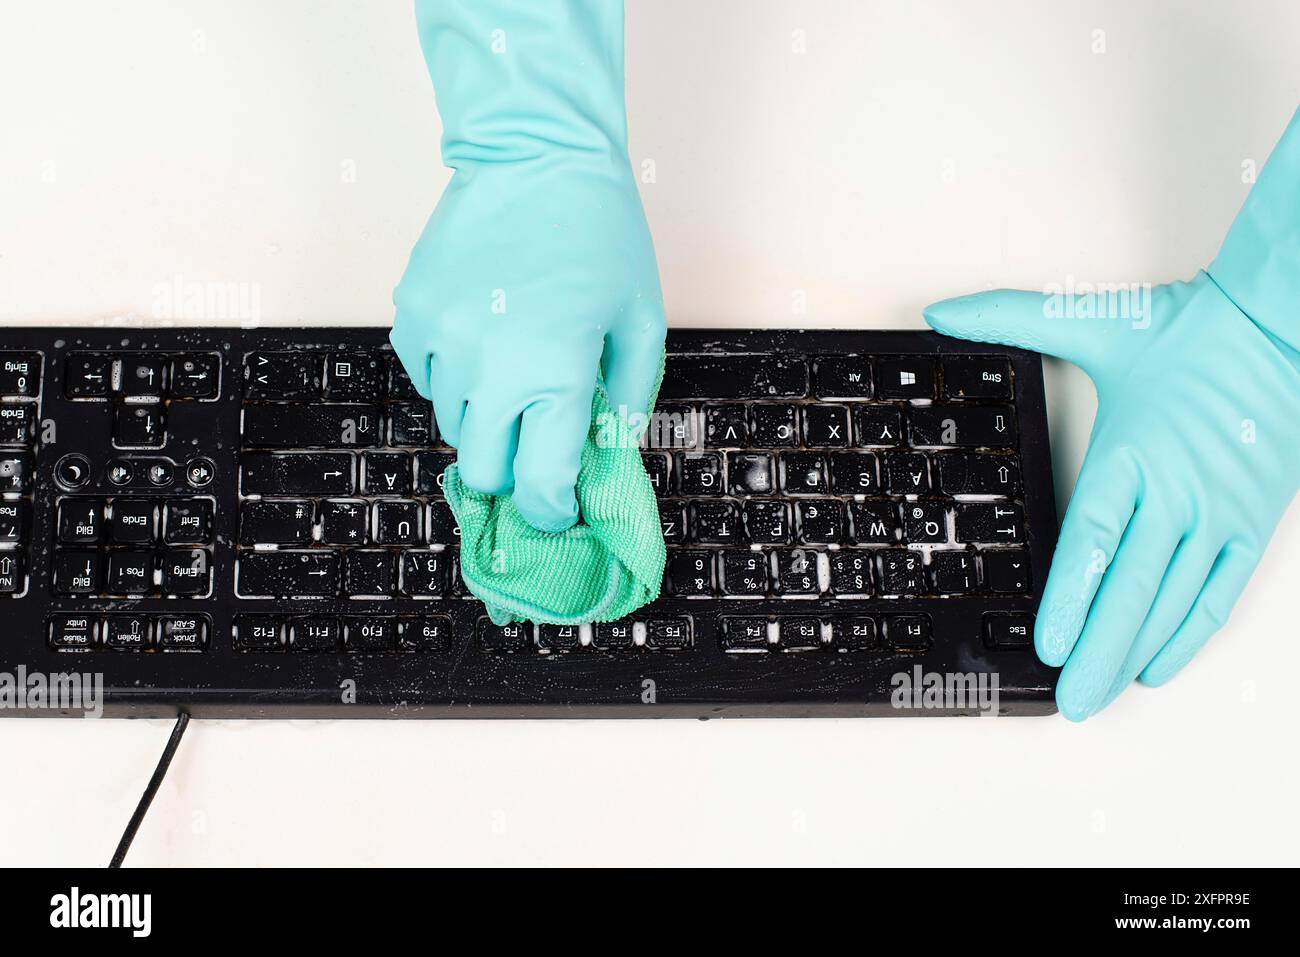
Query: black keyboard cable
[[155, 782]]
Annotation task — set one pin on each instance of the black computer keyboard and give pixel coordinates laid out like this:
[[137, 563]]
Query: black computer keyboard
[[249, 522]]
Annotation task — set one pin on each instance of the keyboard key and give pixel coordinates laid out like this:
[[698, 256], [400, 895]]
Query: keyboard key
[[825, 426], [998, 522], [715, 523], [744, 573], [796, 572], [744, 634], [799, 634], [186, 572], [370, 574], [13, 522], [842, 377], [613, 635], [821, 521], [141, 377], [195, 376], [72, 471], [901, 572], [371, 633], [139, 426], [1006, 570], [974, 473], [734, 377], [315, 634], [343, 522], [699, 473], [874, 523], [182, 633], [924, 523], [430, 634], [311, 426], [130, 572], [15, 471], [976, 377], [424, 574], [20, 374], [749, 473], [850, 572], [877, 425], [668, 633], [259, 633], [767, 523], [282, 375], [726, 426], [429, 467], [672, 427], [87, 376], [854, 473], [189, 520], [907, 377], [81, 520], [354, 376], [12, 574], [128, 632], [656, 468], [17, 421], [907, 473], [78, 573], [853, 633], [803, 473], [515, 636], [386, 473], [319, 473], [412, 424], [288, 574], [908, 632], [267, 523], [400, 385], [73, 632], [558, 637], [397, 523], [672, 522], [134, 521], [690, 573], [953, 573], [959, 425], [442, 528], [775, 426], [1009, 631]]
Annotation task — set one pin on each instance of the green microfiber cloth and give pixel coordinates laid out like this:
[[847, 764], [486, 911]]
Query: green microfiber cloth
[[607, 566]]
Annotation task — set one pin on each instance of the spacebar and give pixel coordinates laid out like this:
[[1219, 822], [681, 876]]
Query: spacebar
[[288, 574], [734, 377]]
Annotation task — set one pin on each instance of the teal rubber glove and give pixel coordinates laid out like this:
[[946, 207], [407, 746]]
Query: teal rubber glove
[[536, 270], [1195, 452]]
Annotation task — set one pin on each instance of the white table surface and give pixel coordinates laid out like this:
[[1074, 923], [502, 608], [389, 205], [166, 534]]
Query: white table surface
[[913, 150]]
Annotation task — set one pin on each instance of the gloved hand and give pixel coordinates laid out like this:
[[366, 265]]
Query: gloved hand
[[536, 269], [1195, 452]]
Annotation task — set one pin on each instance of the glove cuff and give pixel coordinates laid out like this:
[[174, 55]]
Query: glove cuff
[[523, 81]]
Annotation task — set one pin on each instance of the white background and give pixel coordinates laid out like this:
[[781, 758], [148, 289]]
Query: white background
[[914, 150]]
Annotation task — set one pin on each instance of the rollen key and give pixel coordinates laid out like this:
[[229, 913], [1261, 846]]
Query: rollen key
[[311, 426]]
